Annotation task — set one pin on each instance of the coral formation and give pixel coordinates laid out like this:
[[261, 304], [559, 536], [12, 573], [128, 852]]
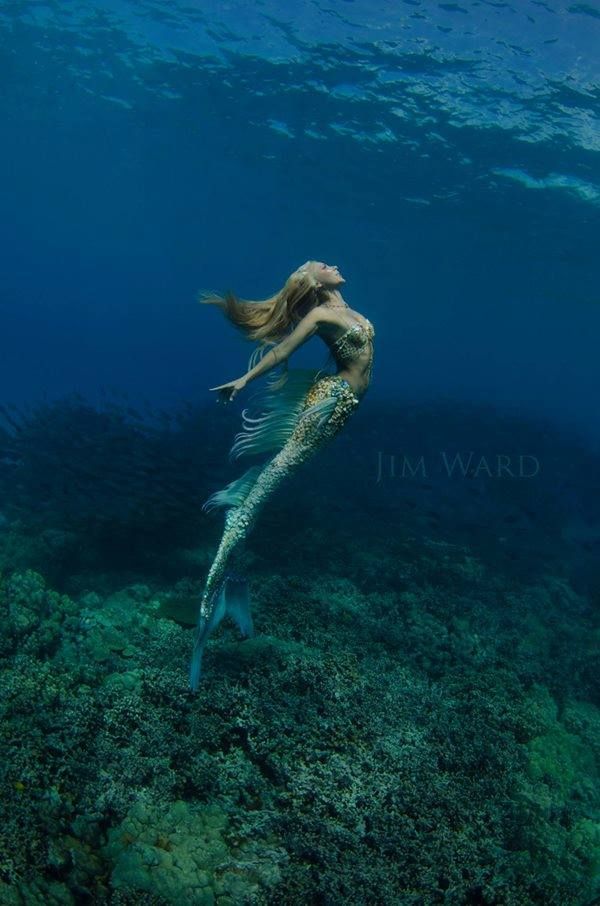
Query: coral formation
[[393, 748], [415, 722]]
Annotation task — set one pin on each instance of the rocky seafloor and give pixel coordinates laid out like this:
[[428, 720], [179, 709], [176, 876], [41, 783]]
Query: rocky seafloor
[[414, 723], [413, 746]]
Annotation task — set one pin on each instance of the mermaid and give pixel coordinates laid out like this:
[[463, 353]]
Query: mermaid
[[298, 411]]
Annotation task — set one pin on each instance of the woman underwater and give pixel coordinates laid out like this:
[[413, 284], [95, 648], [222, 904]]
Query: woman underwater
[[299, 413]]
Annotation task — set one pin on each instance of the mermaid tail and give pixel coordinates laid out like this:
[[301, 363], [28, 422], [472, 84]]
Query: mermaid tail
[[298, 418], [233, 600]]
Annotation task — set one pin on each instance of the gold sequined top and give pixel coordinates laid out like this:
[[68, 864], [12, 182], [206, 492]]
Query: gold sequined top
[[352, 343]]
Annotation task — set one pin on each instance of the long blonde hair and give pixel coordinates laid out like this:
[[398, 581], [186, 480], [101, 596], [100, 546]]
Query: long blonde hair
[[269, 320]]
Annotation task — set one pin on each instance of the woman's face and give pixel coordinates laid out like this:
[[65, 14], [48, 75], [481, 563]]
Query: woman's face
[[327, 274]]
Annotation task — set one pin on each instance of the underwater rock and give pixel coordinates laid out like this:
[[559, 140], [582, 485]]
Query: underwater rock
[[180, 853]]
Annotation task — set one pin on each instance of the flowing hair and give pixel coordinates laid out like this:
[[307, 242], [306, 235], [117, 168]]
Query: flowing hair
[[268, 321]]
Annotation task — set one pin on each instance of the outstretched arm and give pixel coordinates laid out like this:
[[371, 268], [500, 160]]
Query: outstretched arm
[[280, 353]]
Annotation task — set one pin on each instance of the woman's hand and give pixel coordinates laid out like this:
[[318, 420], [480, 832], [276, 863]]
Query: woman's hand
[[228, 391]]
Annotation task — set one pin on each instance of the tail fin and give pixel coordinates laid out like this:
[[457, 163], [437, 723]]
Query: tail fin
[[278, 409], [235, 492], [237, 604], [232, 599], [275, 413]]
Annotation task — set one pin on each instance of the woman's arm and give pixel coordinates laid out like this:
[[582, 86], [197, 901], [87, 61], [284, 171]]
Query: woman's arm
[[280, 353]]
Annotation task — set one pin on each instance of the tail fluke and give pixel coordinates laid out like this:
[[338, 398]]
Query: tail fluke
[[237, 605], [232, 599]]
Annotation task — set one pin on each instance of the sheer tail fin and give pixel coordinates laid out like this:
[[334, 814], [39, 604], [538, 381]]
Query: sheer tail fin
[[276, 410], [237, 604], [232, 599], [235, 492]]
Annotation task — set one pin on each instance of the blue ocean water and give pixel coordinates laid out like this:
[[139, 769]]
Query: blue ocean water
[[417, 720], [445, 155]]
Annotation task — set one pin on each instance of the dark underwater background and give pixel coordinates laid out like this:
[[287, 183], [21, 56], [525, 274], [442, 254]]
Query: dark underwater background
[[417, 720]]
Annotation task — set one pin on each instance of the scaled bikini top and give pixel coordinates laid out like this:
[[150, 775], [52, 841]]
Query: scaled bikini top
[[353, 342]]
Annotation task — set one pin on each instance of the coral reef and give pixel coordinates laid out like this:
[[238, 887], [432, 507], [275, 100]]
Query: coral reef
[[415, 722], [367, 746]]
